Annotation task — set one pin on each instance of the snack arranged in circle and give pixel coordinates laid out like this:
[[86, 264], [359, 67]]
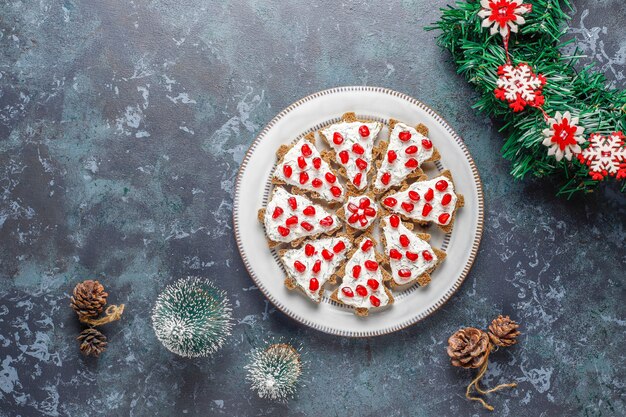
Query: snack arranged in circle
[[301, 165], [399, 190], [289, 218], [401, 158], [427, 200], [411, 258], [362, 285], [359, 213], [352, 144], [313, 265]]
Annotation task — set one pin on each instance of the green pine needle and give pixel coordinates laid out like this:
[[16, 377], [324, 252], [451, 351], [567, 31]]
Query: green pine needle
[[274, 372]]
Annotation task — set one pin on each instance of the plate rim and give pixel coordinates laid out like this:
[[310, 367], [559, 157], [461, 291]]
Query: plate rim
[[475, 244]]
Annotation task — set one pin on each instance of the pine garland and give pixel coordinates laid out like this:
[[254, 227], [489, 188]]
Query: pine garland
[[539, 43]]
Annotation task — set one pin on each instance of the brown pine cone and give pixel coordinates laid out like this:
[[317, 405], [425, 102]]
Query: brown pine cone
[[89, 299], [503, 331], [468, 347], [92, 342]]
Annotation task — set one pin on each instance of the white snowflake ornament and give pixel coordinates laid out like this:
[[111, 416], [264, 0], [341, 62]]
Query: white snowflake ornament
[[605, 156], [520, 86], [503, 16], [563, 136]]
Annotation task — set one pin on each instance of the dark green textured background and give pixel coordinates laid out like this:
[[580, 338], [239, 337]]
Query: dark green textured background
[[122, 125]]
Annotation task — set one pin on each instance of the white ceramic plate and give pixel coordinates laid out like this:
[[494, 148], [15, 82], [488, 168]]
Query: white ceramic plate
[[253, 188]]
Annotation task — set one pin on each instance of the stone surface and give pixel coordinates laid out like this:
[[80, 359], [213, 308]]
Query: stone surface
[[122, 125]]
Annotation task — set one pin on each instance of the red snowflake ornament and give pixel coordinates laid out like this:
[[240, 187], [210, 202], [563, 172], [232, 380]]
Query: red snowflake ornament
[[503, 15], [519, 86], [605, 156]]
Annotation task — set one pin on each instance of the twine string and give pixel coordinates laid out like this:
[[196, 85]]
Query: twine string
[[112, 313], [476, 380]]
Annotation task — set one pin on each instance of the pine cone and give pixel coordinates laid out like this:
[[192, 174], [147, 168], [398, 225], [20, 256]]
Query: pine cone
[[468, 347], [92, 342], [89, 299], [503, 331]]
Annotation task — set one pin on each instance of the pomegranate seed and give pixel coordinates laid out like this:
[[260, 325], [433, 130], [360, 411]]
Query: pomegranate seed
[[404, 136], [277, 212], [306, 150], [369, 211], [352, 207], [443, 218], [317, 266], [404, 240], [364, 131], [427, 255], [287, 171], [299, 266], [358, 149], [427, 143], [363, 221], [391, 156], [307, 226], [395, 254], [412, 256], [446, 199], [413, 195], [361, 164], [316, 183], [304, 177], [411, 163], [353, 218], [367, 245], [390, 201], [408, 207], [317, 163], [328, 255], [371, 265], [375, 301], [309, 249], [394, 220], [361, 290], [411, 150], [283, 231], [343, 155], [347, 292], [330, 177], [429, 194], [364, 202], [326, 221], [309, 211], [372, 283], [314, 284], [292, 203], [335, 190], [356, 271], [357, 179], [301, 162], [339, 247], [337, 138], [427, 208], [385, 178], [441, 185], [404, 273], [292, 221]]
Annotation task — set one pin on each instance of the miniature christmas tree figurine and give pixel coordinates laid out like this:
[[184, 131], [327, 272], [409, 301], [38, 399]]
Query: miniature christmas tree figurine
[[274, 372], [192, 317]]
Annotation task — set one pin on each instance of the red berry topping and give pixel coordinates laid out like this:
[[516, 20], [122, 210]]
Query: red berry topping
[[404, 240], [390, 201], [361, 164], [443, 218], [356, 271], [352, 207], [277, 212], [394, 220], [404, 273], [371, 265], [330, 177], [309, 211], [411, 149], [441, 185], [369, 211], [372, 283], [375, 301], [337, 138], [404, 136], [445, 200], [411, 163], [299, 266], [292, 203], [304, 177], [395, 254], [358, 149], [292, 221], [344, 157], [391, 156], [317, 163], [429, 194], [347, 292], [427, 255], [357, 179], [385, 178], [363, 221], [309, 249], [306, 150], [367, 245], [427, 143], [413, 195], [307, 226], [364, 202], [317, 266], [408, 207], [301, 162], [283, 231], [427, 208], [335, 190], [412, 256], [364, 131], [339, 247], [361, 290], [328, 255], [316, 183], [326, 221], [353, 218], [314, 284], [287, 171]]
